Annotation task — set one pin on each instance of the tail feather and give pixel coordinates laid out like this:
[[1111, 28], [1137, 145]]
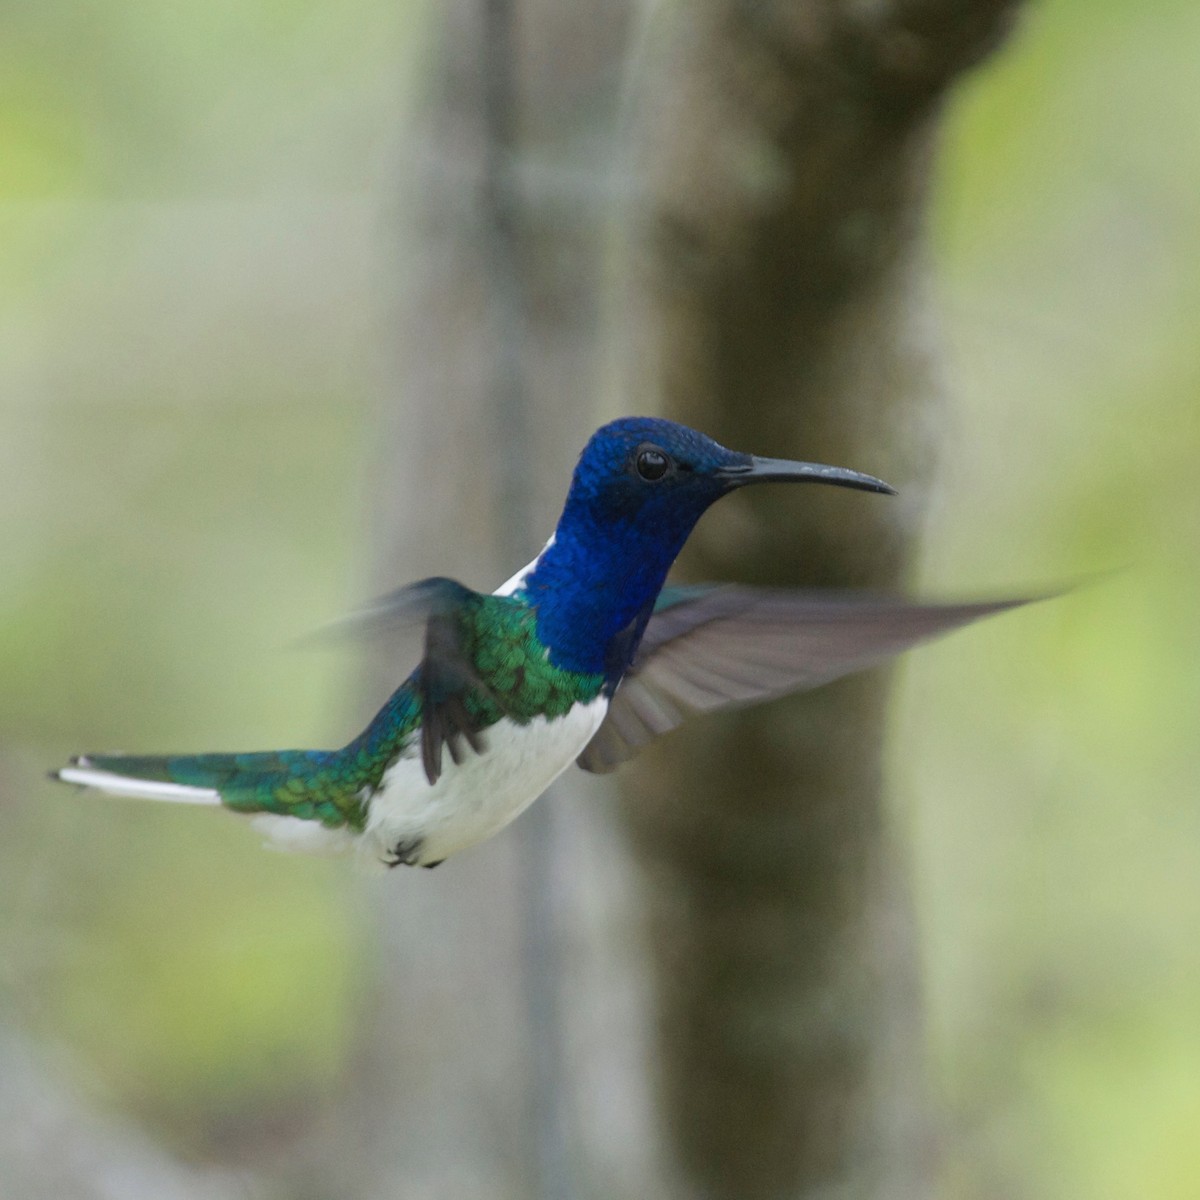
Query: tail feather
[[153, 785], [312, 785]]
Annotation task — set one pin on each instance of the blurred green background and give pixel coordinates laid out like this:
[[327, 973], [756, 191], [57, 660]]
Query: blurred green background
[[197, 259]]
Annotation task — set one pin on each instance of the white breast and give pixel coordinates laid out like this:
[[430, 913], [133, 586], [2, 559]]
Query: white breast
[[478, 798]]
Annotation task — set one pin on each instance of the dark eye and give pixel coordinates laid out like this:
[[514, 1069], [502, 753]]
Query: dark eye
[[652, 464]]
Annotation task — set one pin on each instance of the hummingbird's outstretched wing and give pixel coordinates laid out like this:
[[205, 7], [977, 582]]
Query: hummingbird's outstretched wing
[[446, 680], [717, 646], [452, 692]]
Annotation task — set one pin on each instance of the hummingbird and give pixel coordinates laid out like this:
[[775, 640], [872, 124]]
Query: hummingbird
[[584, 655]]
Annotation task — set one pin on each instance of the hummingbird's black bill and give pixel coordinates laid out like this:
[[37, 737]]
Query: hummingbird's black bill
[[781, 470]]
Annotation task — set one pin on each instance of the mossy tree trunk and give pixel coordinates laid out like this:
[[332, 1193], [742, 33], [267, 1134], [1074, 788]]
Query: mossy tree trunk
[[781, 305]]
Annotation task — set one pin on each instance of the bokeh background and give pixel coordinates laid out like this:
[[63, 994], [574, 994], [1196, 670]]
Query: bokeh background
[[202, 239]]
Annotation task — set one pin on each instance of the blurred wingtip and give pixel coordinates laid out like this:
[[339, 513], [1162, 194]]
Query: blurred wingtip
[[1058, 590]]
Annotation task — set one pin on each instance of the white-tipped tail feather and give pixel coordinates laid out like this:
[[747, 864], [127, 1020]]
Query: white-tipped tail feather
[[85, 775]]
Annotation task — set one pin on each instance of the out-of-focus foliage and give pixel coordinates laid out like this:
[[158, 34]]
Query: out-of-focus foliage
[[1054, 795], [197, 252], [194, 269]]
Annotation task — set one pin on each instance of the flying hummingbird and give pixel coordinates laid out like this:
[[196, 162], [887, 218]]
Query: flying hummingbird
[[583, 655]]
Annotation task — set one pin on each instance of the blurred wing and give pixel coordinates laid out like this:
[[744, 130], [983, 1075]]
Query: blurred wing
[[403, 610], [446, 676], [715, 647]]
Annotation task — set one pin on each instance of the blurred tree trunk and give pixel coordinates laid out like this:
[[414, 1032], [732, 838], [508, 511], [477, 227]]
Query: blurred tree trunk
[[781, 299], [442, 1099]]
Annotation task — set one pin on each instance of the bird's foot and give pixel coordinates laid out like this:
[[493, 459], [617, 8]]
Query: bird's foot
[[406, 852]]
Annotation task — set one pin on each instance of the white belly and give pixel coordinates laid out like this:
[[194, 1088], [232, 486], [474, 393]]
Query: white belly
[[478, 798]]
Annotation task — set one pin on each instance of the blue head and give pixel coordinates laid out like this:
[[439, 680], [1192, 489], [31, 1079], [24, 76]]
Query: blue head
[[639, 488]]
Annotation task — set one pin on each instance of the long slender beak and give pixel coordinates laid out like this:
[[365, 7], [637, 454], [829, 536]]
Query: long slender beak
[[781, 470]]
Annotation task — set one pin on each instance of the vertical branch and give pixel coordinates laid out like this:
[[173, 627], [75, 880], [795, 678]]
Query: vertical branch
[[503, 276], [541, 959], [492, 319]]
